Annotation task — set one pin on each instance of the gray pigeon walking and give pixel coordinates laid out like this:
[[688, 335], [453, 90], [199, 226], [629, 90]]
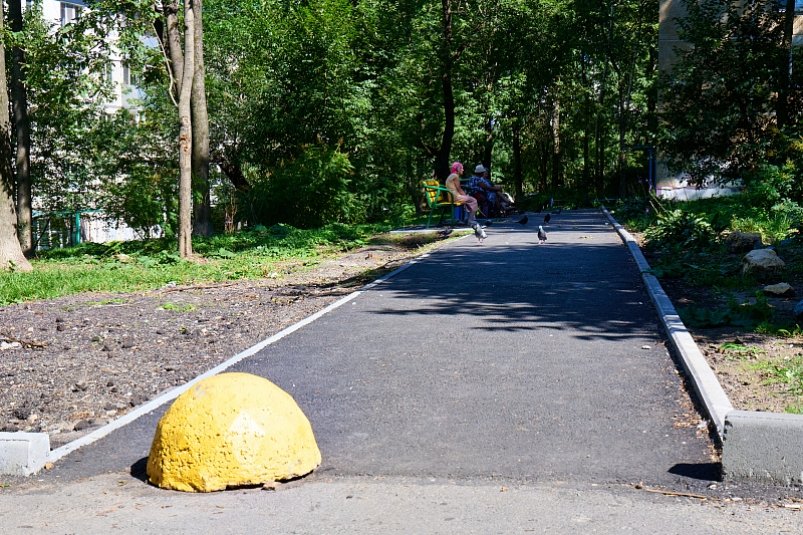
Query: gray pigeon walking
[[547, 218], [541, 234], [479, 232], [523, 220]]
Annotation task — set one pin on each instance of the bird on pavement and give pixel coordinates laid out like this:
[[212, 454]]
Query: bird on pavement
[[541, 234], [547, 218], [479, 232], [445, 232], [523, 220]]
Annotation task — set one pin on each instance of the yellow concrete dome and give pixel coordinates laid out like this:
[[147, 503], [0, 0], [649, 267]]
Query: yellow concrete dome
[[230, 430]]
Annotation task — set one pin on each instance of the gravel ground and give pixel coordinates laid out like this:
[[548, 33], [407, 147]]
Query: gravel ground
[[72, 364]]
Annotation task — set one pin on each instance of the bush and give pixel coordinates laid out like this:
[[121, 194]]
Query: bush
[[311, 191], [677, 228]]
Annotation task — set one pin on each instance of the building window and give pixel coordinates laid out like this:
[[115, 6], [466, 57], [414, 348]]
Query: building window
[[69, 12], [126, 74]]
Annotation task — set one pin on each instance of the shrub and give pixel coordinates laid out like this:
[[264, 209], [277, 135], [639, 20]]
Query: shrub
[[678, 228]]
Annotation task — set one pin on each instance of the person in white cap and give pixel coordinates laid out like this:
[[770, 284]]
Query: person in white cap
[[479, 186]]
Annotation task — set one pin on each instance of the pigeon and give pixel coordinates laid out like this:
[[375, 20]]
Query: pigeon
[[541, 234], [479, 232], [523, 220], [547, 218], [445, 232]]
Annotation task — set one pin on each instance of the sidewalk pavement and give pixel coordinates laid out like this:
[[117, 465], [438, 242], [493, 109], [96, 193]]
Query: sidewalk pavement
[[487, 388]]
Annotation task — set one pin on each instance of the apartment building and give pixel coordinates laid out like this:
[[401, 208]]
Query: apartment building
[[60, 14], [67, 228]]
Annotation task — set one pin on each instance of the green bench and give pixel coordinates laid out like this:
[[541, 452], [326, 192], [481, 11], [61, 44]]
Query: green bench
[[438, 199]]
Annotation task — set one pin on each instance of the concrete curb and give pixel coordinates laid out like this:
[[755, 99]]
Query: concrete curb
[[23, 454], [760, 446], [27, 453]]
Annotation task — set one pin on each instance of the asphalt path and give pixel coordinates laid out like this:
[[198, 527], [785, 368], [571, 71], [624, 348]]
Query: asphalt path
[[501, 361], [503, 387]]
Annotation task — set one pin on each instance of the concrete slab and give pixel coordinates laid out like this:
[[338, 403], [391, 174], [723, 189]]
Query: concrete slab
[[763, 446], [23, 454]]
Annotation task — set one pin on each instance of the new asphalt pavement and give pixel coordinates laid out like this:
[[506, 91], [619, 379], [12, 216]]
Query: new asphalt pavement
[[501, 387]]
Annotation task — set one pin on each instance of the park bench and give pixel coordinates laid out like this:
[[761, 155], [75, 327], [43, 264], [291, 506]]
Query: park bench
[[439, 199]]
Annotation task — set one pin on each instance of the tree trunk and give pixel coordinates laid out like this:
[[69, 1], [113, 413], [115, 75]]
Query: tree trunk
[[586, 123], [11, 256], [185, 136], [785, 71], [488, 145], [172, 46], [518, 175], [234, 173], [445, 149], [202, 210], [557, 170], [22, 124]]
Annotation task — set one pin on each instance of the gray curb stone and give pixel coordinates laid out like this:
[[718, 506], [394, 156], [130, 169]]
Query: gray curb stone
[[23, 454], [759, 446]]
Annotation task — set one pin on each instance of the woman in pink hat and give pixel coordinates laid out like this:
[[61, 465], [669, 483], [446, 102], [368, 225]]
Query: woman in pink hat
[[453, 183]]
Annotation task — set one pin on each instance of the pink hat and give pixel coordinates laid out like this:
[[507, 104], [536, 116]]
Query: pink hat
[[457, 167]]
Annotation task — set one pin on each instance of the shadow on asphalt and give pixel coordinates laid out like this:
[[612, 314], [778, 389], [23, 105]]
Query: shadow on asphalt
[[701, 471], [138, 470], [512, 284]]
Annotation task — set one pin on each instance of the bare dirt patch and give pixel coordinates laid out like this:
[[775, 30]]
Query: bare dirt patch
[[72, 364]]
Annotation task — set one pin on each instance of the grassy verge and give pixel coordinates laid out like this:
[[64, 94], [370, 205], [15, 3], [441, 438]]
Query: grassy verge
[[141, 265]]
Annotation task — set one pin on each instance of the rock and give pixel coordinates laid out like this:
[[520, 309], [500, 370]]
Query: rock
[[23, 412], [81, 425], [781, 289], [762, 263], [741, 242]]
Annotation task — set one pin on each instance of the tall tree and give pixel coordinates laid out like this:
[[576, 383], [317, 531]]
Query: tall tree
[[11, 256], [185, 135], [202, 209], [22, 128]]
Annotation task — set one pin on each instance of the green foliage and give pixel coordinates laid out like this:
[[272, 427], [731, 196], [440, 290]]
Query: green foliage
[[747, 314], [719, 121], [680, 229], [308, 192]]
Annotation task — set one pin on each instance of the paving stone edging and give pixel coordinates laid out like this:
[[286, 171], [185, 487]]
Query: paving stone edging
[[762, 446]]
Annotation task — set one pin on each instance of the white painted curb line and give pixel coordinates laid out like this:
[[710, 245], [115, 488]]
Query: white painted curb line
[[761, 446]]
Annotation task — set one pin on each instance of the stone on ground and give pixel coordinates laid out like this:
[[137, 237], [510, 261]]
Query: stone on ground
[[231, 430], [762, 263]]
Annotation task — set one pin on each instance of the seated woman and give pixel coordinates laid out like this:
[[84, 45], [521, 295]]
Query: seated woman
[[453, 183]]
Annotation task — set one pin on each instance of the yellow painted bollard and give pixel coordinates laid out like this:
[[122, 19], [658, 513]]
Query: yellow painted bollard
[[230, 430]]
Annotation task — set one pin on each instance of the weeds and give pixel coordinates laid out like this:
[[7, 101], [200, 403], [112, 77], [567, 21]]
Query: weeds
[[740, 351], [789, 374], [178, 308]]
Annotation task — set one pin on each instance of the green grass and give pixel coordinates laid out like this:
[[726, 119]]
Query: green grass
[[177, 308], [142, 265], [740, 351], [789, 373]]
